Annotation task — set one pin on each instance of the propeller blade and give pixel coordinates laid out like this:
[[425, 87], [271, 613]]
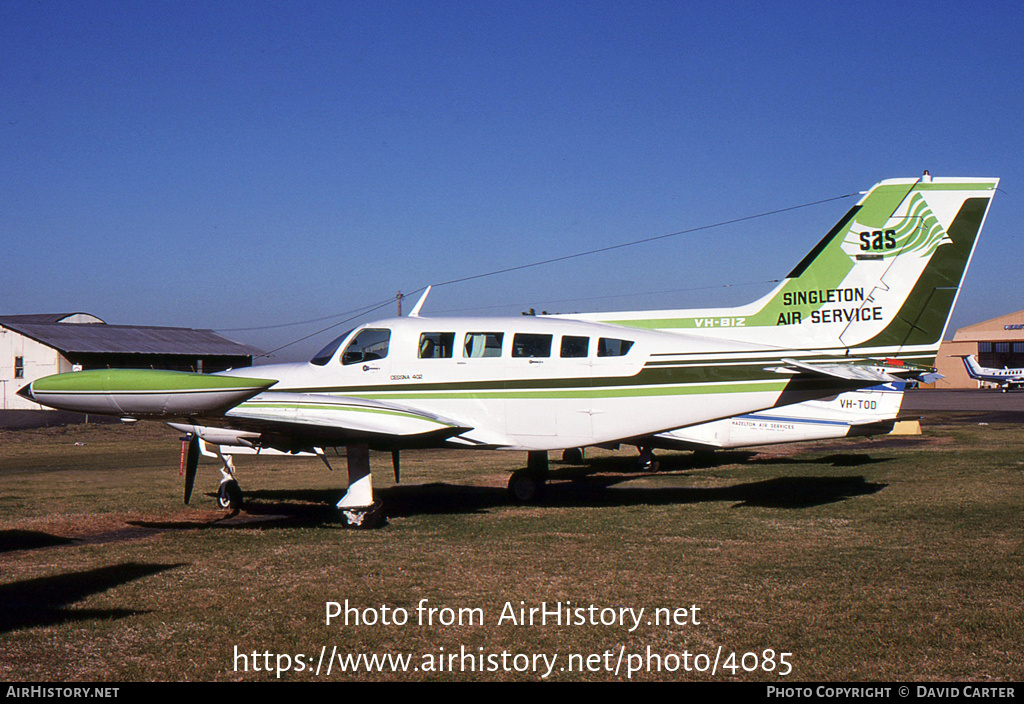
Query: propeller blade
[[396, 462], [191, 462]]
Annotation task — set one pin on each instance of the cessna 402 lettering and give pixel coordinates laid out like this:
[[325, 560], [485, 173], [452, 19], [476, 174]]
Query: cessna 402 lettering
[[867, 306]]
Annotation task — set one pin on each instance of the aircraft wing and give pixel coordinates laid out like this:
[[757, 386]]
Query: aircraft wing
[[292, 421], [282, 420]]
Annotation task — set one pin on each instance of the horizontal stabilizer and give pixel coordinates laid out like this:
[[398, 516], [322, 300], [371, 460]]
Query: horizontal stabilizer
[[849, 372]]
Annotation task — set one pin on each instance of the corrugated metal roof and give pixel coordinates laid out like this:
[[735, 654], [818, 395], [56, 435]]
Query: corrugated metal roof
[[53, 318], [99, 338]]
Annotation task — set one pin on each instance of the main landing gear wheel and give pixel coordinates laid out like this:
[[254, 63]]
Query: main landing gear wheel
[[366, 517], [229, 495], [526, 486], [574, 455], [647, 462]]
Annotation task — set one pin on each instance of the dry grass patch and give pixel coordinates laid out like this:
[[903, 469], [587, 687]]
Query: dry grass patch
[[886, 560]]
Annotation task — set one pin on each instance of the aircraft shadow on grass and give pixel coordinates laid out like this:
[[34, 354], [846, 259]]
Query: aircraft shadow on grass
[[12, 540], [594, 484], [590, 485], [46, 601], [782, 492]]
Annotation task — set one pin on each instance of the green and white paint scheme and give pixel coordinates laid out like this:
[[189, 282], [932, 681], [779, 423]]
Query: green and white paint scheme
[[867, 306], [143, 393], [883, 280]]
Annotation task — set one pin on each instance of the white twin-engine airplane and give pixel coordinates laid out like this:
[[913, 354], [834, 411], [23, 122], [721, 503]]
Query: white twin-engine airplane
[[1005, 379], [867, 306]]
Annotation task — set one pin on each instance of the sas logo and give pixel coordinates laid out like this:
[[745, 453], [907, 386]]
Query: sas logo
[[911, 229], [877, 240]]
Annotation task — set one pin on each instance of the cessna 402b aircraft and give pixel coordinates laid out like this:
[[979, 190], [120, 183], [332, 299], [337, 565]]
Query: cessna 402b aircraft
[[867, 306]]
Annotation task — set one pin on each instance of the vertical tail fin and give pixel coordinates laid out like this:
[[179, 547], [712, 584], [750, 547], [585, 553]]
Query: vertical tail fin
[[883, 280], [974, 369]]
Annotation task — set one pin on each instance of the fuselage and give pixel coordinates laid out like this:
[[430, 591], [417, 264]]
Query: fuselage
[[545, 383]]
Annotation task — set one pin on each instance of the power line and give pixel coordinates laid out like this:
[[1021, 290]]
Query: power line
[[358, 312], [641, 241], [631, 294]]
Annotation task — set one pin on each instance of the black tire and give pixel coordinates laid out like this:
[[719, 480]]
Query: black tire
[[229, 495], [525, 487], [574, 455]]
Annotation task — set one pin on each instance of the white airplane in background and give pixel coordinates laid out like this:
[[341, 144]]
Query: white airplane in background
[[867, 306], [1006, 379]]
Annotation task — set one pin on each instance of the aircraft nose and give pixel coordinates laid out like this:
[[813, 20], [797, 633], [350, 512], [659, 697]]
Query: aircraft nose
[[26, 392]]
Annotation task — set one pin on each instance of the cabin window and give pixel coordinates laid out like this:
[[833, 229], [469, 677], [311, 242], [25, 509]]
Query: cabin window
[[436, 345], [327, 353], [574, 346], [19, 367], [610, 347], [483, 344], [531, 345], [366, 346]]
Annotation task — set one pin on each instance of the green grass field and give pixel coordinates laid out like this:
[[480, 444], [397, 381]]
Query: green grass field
[[894, 559]]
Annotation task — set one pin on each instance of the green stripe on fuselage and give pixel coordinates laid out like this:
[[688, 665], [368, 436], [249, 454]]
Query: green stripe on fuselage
[[657, 378], [581, 392]]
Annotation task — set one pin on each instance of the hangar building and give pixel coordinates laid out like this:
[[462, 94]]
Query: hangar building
[[998, 342], [34, 346]]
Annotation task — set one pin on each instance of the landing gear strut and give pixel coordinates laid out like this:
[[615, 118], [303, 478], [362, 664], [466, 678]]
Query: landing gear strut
[[357, 507], [229, 494]]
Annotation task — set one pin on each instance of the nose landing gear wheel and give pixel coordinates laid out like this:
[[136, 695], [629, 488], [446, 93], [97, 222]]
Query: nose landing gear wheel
[[229, 495]]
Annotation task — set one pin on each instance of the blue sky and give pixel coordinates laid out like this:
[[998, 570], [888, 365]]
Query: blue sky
[[240, 165]]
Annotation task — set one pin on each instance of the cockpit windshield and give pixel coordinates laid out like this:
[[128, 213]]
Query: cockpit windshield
[[324, 356], [368, 344]]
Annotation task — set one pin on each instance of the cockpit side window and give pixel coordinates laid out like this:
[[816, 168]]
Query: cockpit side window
[[324, 356], [366, 346]]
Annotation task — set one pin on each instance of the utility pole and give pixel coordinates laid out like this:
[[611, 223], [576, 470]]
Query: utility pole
[[398, 297]]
